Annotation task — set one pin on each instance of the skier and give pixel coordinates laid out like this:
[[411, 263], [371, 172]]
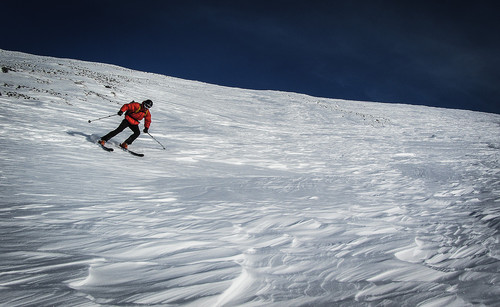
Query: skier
[[134, 112]]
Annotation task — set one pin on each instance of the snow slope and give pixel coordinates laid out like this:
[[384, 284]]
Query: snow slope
[[261, 198]]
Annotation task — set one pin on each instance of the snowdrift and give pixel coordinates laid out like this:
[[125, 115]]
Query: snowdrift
[[261, 198]]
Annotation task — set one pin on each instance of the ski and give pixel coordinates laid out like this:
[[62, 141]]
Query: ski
[[132, 152], [124, 149], [105, 148]]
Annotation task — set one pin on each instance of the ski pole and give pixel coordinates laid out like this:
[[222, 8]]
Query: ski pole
[[156, 140], [93, 120]]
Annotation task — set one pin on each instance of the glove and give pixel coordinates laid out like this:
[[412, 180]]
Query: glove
[[120, 112], [145, 130]]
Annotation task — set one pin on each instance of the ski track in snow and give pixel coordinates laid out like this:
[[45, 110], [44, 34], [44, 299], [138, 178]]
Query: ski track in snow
[[262, 198]]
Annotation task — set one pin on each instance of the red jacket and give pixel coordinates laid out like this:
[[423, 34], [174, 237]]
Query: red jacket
[[134, 113]]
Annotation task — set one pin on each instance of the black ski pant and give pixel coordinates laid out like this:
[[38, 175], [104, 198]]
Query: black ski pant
[[124, 124]]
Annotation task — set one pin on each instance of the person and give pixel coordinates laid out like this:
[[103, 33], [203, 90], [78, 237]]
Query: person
[[134, 113]]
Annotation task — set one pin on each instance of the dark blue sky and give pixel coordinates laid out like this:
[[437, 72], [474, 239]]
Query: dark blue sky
[[438, 53]]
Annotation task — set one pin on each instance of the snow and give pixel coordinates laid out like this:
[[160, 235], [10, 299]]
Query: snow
[[261, 198]]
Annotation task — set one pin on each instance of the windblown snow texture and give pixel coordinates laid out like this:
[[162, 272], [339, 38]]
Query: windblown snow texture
[[262, 198]]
